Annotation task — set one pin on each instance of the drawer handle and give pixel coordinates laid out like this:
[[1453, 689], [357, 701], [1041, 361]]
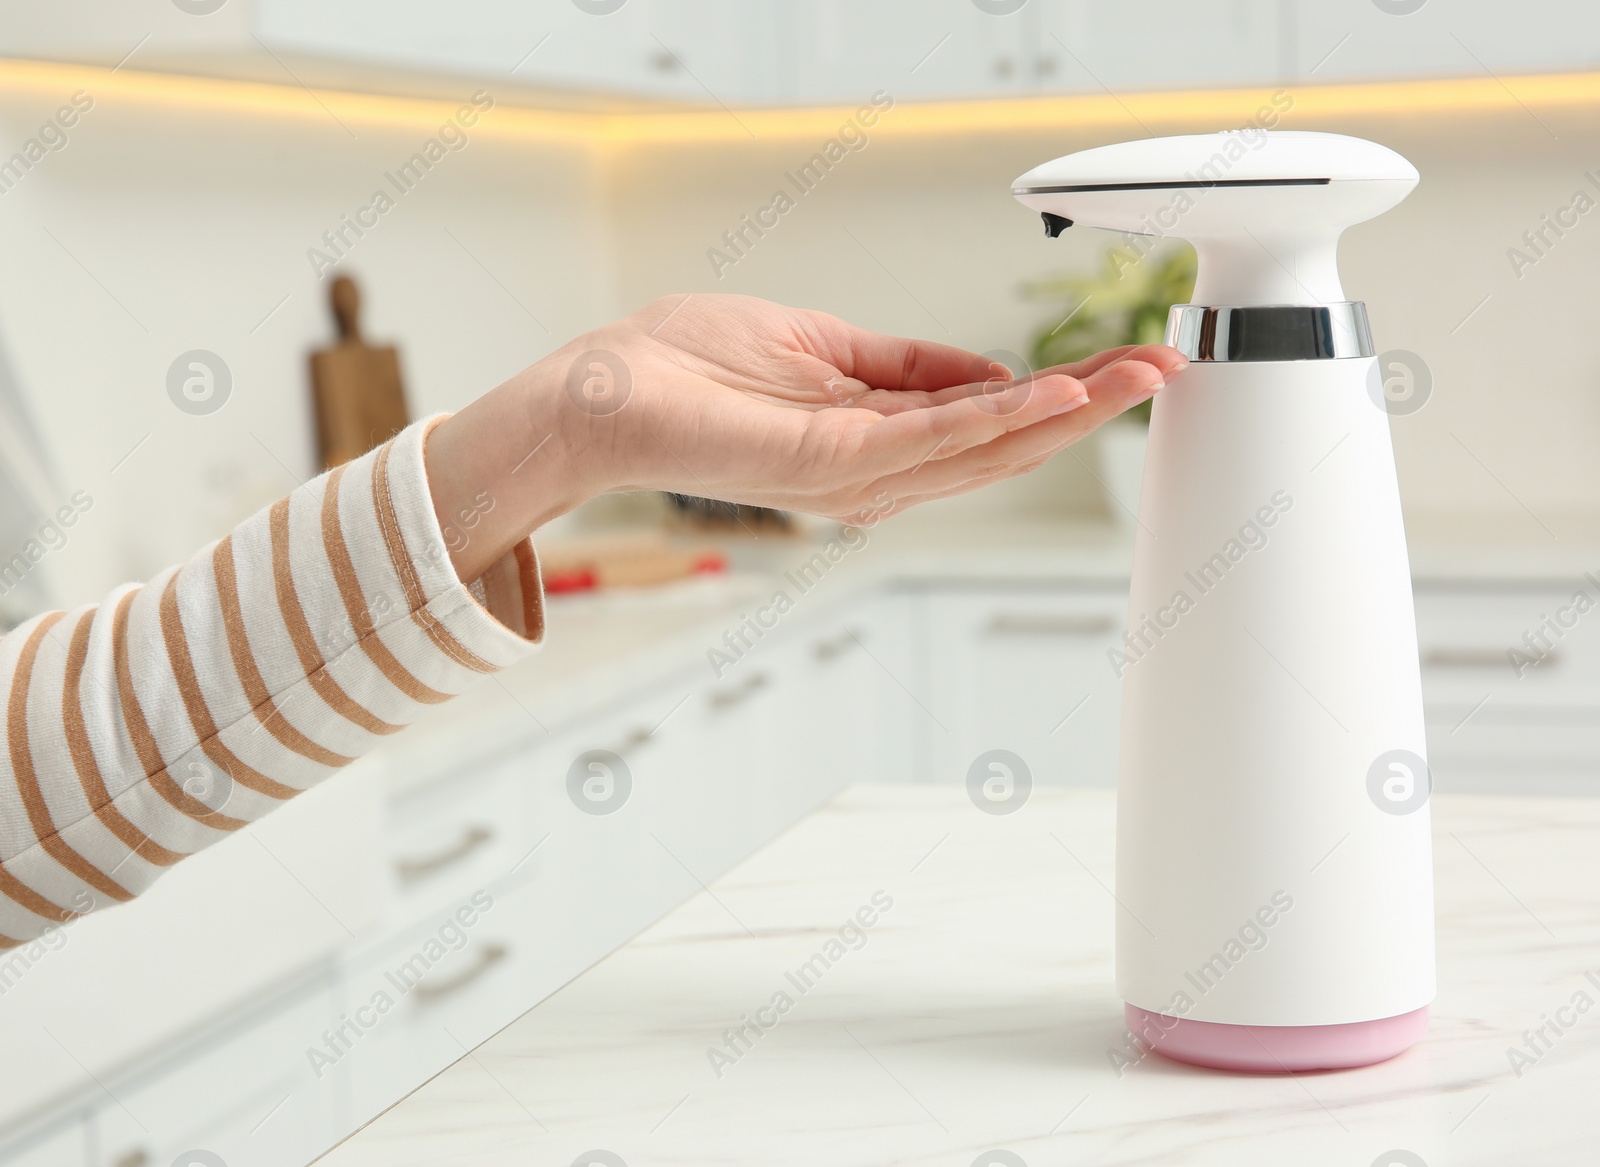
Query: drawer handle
[[637, 737], [428, 992], [728, 698], [471, 839], [1477, 658], [831, 649], [1042, 624]]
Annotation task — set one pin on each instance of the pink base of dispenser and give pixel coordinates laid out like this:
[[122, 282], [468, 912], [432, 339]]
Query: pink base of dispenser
[[1277, 1049]]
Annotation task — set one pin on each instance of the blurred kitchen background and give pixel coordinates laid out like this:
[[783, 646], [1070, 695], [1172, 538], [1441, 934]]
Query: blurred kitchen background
[[190, 156], [179, 214]]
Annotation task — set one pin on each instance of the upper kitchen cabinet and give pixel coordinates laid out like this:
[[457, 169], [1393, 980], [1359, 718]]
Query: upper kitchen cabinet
[[1089, 46], [841, 51], [111, 31], [705, 51], [1158, 44], [1373, 39], [811, 52]]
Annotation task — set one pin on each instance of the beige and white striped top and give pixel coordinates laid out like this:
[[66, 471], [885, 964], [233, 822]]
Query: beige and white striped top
[[151, 725]]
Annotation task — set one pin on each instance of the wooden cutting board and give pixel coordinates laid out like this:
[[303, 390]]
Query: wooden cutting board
[[355, 386], [626, 561]]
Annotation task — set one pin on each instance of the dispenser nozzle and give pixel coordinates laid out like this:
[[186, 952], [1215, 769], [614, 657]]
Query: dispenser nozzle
[[1054, 224]]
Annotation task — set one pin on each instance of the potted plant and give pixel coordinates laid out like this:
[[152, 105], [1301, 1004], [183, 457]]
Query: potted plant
[[1126, 302]]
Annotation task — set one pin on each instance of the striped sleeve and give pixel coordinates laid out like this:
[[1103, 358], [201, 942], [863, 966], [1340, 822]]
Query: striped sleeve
[[142, 729]]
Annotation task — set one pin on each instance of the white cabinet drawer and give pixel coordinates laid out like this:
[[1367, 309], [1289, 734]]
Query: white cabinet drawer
[[413, 1006], [246, 1095], [851, 716], [65, 1147], [1026, 671], [1511, 687], [458, 834], [1530, 644], [1514, 750]]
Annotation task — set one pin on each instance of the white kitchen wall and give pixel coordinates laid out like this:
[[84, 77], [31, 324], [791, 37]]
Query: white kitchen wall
[[918, 234], [162, 228]]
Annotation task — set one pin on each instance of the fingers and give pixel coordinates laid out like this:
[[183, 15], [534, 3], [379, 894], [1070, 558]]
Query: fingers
[[1112, 391], [1166, 359], [1118, 387], [903, 440], [949, 470], [996, 378], [1090, 364], [897, 362]]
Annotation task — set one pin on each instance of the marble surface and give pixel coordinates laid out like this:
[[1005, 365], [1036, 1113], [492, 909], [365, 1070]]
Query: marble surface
[[975, 1015]]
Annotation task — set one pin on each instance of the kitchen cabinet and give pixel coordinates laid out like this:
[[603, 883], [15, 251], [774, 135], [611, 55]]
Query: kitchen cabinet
[[788, 52], [1468, 38], [842, 51], [1027, 670], [853, 714], [1178, 44], [66, 1146], [515, 888], [450, 964], [700, 51], [1162, 44], [117, 987], [1511, 686], [248, 1099], [716, 766], [703, 770], [445, 840], [711, 50], [1024, 670], [431, 992]]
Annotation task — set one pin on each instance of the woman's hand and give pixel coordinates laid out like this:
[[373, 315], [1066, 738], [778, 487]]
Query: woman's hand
[[736, 398]]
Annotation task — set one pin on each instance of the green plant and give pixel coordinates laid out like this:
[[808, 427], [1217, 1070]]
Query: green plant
[[1126, 302]]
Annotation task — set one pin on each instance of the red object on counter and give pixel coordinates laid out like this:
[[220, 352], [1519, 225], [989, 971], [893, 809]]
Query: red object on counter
[[577, 579], [630, 568]]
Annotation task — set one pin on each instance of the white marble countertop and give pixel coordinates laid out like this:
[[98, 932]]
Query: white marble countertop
[[976, 1012]]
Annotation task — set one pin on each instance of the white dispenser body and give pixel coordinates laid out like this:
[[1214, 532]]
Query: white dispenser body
[[1274, 861], [1272, 664]]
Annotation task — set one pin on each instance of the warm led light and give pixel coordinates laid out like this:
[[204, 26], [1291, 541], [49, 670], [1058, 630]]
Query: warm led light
[[1166, 109], [51, 79]]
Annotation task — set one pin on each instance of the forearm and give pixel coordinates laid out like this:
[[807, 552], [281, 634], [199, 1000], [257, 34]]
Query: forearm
[[175, 713]]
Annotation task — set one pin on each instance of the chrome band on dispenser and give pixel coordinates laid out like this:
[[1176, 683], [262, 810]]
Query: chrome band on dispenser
[[1270, 332]]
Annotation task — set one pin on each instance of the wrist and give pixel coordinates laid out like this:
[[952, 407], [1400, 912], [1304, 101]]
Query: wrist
[[504, 466], [562, 416]]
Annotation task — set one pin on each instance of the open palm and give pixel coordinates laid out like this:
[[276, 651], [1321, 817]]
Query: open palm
[[737, 398]]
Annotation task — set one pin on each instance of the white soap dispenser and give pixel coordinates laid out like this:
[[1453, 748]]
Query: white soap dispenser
[[1274, 867]]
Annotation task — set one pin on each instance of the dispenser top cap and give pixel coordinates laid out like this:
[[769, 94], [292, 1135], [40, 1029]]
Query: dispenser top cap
[[1264, 208], [1236, 182]]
